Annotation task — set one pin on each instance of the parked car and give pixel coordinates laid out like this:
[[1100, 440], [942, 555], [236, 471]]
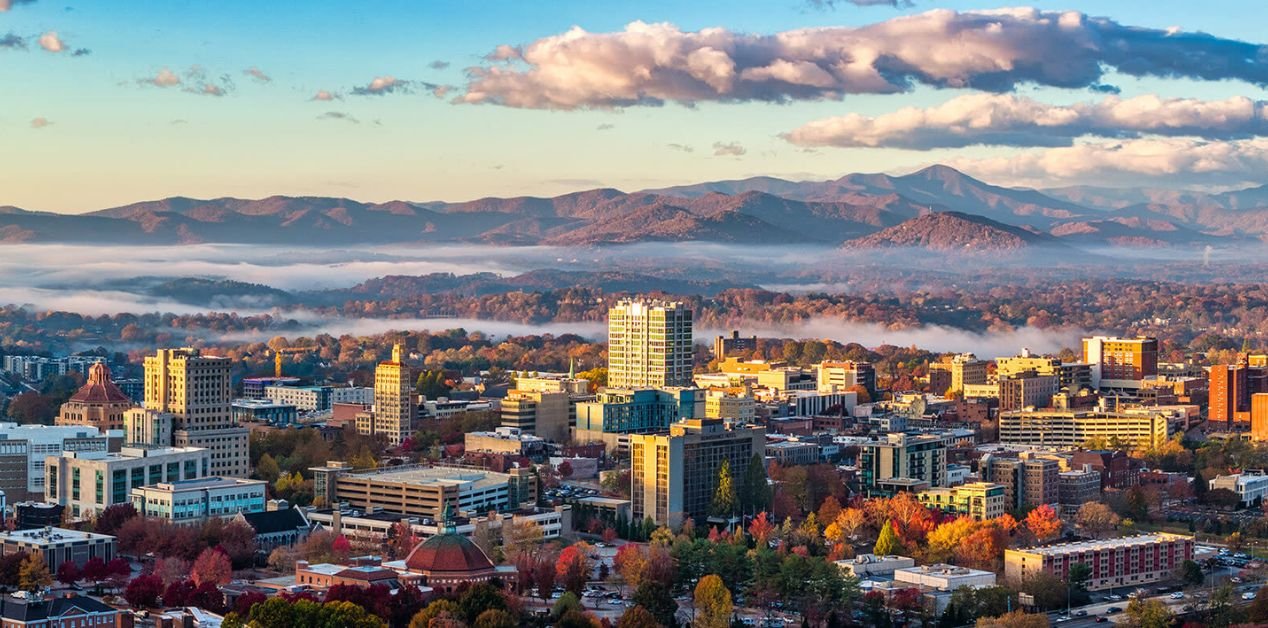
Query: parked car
[[1249, 595], [1115, 598], [1177, 596]]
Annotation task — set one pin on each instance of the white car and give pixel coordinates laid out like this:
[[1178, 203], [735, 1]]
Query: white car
[[1177, 596], [1249, 595]]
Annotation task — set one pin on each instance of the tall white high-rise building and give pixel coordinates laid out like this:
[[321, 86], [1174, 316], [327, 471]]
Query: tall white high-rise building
[[649, 345], [196, 390]]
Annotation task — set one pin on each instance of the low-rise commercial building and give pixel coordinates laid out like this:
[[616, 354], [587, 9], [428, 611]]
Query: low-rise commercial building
[[370, 529], [505, 440], [269, 411], [195, 501], [726, 404], [944, 577], [361, 572], [1077, 487], [423, 491], [1250, 486], [547, 414], [1127, 561], [89, 482], [59, 545], [870, 565], [980, 500], [793, 452], [1072, 428]]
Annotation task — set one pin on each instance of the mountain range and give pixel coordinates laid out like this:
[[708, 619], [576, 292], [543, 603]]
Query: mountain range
[[855, 211]]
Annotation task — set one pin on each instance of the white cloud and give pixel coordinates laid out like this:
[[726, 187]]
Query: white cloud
[[1170, 161], [257, 74], [164, 78], [650, 64], [1006, 119], [382, 85], [323, 95], [40, 122], [51, 42], [728, 149]]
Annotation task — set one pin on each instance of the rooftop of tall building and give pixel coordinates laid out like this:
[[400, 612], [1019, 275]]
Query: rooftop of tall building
[[99, 388]]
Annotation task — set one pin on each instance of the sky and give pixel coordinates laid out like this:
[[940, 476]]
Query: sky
[[108, 103]]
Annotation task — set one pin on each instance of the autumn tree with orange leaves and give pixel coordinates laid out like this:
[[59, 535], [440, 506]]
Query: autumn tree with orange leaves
[[1043, 523]]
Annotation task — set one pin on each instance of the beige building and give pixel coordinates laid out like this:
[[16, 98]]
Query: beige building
[[1026, 390], [99, 403], [980, 500], [422, 491], [1016, 365], [921, 458], [394, 405], [197, 392], [538, 383], [674, 476], [87, 483], [967, 369], [1122, 562], [504, 440], [545, 413], [723, 404], [1073, 428], [147, 427], [649, 345]]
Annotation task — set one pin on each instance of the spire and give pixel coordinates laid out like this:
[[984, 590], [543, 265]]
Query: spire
[[572, 367], [98, 374], [446, 520]]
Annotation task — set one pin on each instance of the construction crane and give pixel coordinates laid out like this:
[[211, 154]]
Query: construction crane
[[278, 353]]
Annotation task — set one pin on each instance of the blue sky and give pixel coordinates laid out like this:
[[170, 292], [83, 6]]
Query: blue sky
[[82, 132]]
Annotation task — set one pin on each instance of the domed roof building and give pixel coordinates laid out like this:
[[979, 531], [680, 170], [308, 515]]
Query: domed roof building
[[448, 560], [99, 403]]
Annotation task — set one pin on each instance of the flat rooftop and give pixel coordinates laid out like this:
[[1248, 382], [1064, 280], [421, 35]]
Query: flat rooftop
[[209, 482], [50, 535], [446, 476], [1103, 544]]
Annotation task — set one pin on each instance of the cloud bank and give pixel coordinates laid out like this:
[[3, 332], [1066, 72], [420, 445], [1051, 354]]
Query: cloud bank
[[932, 337], [1170, 161], [1010, 120], [651, 64]]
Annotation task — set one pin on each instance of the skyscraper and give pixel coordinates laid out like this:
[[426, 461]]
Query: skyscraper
[[649, 345], [196, 390], [394, 406]]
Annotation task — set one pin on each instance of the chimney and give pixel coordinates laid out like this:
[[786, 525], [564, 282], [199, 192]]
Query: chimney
[[336, 522]]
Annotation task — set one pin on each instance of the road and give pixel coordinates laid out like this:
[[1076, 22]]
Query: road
[[1176, 606]]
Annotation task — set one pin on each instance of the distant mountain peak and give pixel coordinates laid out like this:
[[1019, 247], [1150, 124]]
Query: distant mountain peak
[[952, 232]]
